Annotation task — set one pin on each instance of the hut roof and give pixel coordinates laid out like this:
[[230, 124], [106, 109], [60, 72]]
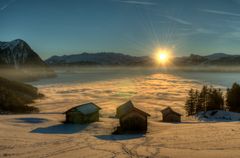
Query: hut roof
[[128, 107], [85, 109], [170, 110]]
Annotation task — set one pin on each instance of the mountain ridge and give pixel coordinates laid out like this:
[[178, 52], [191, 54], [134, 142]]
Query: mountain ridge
[[111, 58], [101, 58], [19, 61]]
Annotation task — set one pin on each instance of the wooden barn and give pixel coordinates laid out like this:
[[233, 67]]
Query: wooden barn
[[169, 115], [131, 119], [84, 113]]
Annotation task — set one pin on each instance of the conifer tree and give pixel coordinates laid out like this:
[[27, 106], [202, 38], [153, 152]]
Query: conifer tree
[[233, 98], [190, 103]]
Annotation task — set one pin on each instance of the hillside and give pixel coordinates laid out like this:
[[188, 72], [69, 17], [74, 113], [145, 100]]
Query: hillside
[[217, 59], [118, 59], [14, 97], [19, 62], [102, 58]]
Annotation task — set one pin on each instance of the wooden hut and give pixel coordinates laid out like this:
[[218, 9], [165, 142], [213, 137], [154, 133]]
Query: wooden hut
[[169, 115], [84, 113], [131, 119]]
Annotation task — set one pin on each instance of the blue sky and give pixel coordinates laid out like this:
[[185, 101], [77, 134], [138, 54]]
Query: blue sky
[[135, 27]]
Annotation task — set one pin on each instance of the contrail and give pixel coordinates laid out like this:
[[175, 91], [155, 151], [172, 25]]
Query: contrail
[[137, 2], [5, 6]]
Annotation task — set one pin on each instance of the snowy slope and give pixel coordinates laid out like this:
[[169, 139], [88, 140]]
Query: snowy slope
[[218, 115], [19, 62], [18, 53]]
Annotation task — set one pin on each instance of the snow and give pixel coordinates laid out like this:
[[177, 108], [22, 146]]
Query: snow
[[218, 115], [87, 108], [51, 138], [44, 134], [11, 45], [11, 54]]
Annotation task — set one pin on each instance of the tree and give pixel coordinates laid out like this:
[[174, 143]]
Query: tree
[[215, 99], [233, 98], [208, 99], [190, 103], [202, 101]]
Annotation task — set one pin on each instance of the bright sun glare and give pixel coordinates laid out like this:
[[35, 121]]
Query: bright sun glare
[[162, 56]]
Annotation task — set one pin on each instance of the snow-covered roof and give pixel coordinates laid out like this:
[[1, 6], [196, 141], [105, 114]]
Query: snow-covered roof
[[85, 109], [169, 110], [127, 107]]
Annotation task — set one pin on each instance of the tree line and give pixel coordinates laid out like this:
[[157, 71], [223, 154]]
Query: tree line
[[210, 98]]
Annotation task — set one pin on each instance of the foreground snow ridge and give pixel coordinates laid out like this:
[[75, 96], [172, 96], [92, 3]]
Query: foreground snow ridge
[[218, 115]]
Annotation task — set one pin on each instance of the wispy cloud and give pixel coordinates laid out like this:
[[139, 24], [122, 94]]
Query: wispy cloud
[[233, 33], [137, 2], [205, 31], [178, 20], [5, 6], [219, 12]]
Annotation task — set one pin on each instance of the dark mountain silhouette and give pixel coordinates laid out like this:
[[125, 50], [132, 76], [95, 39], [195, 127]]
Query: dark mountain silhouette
[[103, 58], [109, 58], [19, 61], [218, 59]]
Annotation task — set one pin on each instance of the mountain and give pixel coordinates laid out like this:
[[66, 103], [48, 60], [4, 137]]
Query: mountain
[[118, 59], [103, 58], [18, 58], [217, 59], [217, 56], [14, 97]]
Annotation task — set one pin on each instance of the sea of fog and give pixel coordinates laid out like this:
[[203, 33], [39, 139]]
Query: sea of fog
[[150, 89], [88, 75]]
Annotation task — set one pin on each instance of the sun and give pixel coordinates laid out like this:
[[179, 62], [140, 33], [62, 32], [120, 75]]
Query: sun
[[162, 56]]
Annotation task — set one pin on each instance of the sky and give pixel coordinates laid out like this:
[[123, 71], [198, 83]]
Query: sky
[[134, 27]]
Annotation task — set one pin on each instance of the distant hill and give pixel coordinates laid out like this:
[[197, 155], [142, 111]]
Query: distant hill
[[14, 97], [103, 58], [217, 56], [19, 61], [118, 59], [217, 59]]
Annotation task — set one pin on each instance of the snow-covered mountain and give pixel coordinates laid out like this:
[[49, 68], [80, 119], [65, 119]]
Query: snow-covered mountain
[[18, 53], [19, 61], [103, 58]]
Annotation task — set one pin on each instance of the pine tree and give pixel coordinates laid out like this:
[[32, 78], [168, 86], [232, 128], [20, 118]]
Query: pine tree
[[198, 101], [208, 99], [215, 100], [190, 103], [203, 97], [233, 98]]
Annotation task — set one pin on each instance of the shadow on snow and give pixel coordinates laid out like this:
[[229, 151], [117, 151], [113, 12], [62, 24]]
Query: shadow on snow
[[120, 137], [31, 120], [60, 129]]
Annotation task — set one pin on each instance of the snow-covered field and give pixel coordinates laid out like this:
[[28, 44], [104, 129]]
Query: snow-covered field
[[43, 135]]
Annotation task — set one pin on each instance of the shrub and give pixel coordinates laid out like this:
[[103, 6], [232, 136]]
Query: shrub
[[14, 97]]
